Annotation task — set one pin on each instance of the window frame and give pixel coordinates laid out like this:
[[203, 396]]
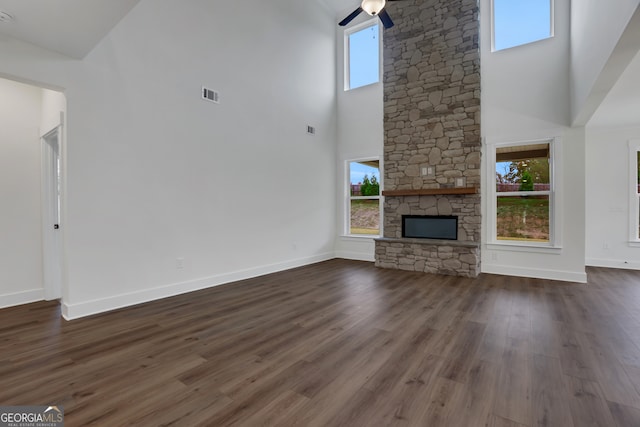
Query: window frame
[[493, 28], [634, 194], [554, 245], [347, 62], [349, 198]]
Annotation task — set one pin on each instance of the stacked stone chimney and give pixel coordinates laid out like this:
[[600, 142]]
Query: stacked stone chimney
[[432, 123]]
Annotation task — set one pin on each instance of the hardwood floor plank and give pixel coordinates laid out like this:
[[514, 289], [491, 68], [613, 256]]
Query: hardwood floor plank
[[478, 395], [514, 383], [459, 359], [494, 341], [496, 421], [281, 407], [341, 343], [548, 391], [588, 407], [634, 376], [444, 402], [613, 379], [573, 357], [405, 403], [625, 416], [545, 339]]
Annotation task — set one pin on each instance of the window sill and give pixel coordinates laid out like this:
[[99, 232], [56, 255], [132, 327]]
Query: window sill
[[347, 89], [524, 247], [634, 244], [360, 236]]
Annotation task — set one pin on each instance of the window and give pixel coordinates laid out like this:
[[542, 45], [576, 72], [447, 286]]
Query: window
[[523, 196], [364, 197], [518, 22], [637, 204], [363, 56], [634, 202]]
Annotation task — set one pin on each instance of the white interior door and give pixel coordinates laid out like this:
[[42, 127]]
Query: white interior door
[[51, 186]]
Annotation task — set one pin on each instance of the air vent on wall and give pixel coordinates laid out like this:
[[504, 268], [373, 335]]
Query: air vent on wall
[[210, 95]]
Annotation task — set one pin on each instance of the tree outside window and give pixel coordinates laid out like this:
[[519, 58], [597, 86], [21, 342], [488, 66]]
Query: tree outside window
[[523, 192], [364, 197]]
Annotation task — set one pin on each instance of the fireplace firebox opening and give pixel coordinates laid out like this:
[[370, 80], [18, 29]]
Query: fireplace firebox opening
[[439, 227]]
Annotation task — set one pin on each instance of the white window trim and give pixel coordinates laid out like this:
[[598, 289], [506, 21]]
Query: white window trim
[[347, 63], [348, 198], [493, 28], [554, 245], [634, 196]]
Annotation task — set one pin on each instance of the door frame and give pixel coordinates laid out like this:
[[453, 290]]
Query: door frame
[[51, 144]]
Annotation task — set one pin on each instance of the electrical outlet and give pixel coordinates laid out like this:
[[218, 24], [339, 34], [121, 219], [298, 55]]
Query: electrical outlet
[[180, 263], [605, 245]]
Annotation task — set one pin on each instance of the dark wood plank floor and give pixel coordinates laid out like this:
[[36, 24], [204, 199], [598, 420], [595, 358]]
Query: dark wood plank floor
[[341, 343]]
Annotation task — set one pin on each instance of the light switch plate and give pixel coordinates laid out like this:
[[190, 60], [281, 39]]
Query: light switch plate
[[428, 171]]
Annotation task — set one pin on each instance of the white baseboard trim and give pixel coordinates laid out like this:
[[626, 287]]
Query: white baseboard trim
[[613, 263], [88, 308], [565, 276], [356, 256], [22, 297]]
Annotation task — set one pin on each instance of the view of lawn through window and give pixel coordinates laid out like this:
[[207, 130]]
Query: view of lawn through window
[[364, 197], [523, 190]]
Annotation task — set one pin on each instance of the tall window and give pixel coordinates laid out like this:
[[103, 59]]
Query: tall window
[[523, 192], [362, 64], [634, 202], [637, 204], [364, 197], [518, 22]]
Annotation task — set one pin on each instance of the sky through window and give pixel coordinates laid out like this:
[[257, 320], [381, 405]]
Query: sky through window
[[518, 22], [364, 57]]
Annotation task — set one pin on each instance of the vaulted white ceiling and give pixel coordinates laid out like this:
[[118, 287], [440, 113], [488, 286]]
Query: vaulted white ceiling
[[74, 27], [70, 27], [341, 6], [621, 106]]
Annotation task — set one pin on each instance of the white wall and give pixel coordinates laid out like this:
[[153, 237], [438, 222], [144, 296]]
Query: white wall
[[360, 135], [154, 174], [21, 224], [607, 204], [525, 89], [596, 29], [525, 96]]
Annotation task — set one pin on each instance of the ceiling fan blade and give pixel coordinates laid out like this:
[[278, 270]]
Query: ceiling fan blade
[[385, 18], [350, 18]]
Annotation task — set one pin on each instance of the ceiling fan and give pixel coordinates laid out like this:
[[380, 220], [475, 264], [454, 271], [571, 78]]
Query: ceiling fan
[[372, 7]]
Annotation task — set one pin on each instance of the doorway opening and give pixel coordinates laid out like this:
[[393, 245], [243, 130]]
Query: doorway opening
[[51, 217], [32, 176]]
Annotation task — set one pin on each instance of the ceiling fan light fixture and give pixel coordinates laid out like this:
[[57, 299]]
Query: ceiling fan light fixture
[[5, 16], [373, 7]]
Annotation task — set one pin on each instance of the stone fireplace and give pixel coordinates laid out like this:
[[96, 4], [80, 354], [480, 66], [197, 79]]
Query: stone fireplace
[[432, 140]]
